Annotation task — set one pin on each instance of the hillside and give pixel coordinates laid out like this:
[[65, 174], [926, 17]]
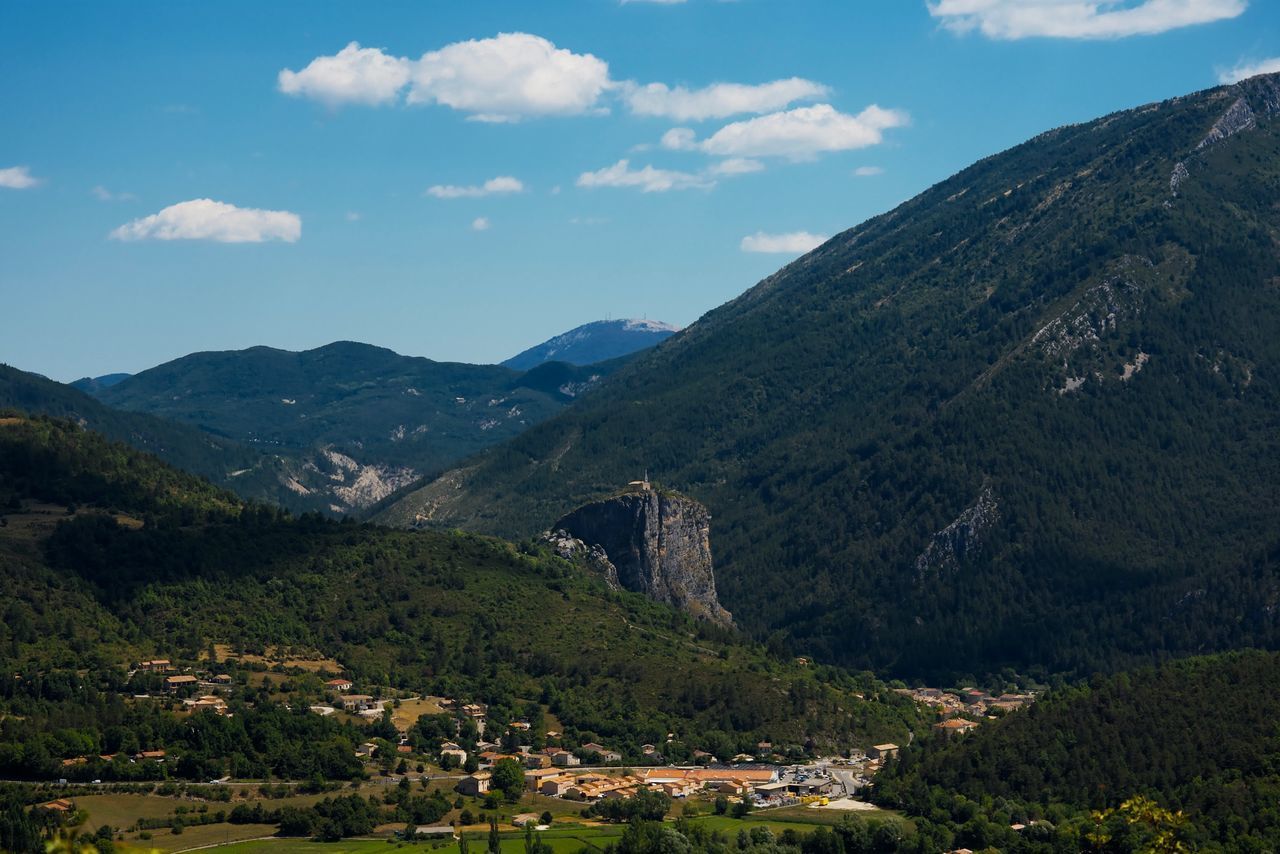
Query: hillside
[[594, 342], [1026, 418], [360, 421], [93, 385], [153, 562], [248, 472], [1196, 736]]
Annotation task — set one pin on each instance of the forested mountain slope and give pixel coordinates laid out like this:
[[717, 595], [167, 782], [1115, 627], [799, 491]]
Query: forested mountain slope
[[248, 471], [1197, 735], [1027, 418], [355, 422], [108, 556]]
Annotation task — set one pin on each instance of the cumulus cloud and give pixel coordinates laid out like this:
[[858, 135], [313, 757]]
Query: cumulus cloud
[[492, 187], [18, 178], [720, 100], [480, 223], [1245, 70], [867, 171], [798, 134], [508, 77], [355, 75], [1079, 19], [205, 219], [518, 75], [791, 243], [648, 179]]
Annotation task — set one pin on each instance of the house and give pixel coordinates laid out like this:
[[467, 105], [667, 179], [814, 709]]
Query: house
[[457, 753], [58, 805], [154, 755], [764, 747], [342, 686], [221, 679], [883, 751], [357, 703], [533, 779], [475, 711], [564, 759], [475, 785], [404, 748], [605, 754], [209, 703], [525, 818], [537, 760], [521, 726], [701, 755], [177, 683], [731, 787], [953, 727], [678, 789], [367, 750], [556, 787], [156, 665]]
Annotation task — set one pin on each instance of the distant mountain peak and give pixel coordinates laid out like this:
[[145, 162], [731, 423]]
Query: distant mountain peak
[[594, 342]]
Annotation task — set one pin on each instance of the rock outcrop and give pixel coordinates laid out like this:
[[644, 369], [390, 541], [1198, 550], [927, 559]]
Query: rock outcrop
[[948, 548], [650, 542]]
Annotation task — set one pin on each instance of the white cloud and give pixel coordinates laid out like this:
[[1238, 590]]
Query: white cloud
[[492, 187], [718, 100], [353, 216], [355, 75], [648, 179], [205, 219], [508, 77], [18, 178], [792, 243], [102, 194], [480, 223], [798, 134], [737, 166], [1079, 19], [868, 171], [1245, 70]]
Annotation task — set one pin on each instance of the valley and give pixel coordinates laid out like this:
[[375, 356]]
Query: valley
[[957, 532]]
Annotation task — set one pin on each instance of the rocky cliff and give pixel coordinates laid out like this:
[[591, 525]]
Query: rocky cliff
[[649, 542]]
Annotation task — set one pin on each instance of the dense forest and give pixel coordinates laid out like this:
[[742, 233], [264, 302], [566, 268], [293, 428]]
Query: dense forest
[[1196, 737], [1026, 419], [141, 561]]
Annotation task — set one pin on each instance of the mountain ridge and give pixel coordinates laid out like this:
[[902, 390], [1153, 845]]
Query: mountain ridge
[[1019, 331]]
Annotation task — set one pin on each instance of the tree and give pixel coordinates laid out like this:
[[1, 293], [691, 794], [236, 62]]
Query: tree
[[495, 842], [509, 777]]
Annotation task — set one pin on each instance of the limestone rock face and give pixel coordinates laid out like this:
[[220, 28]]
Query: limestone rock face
[[656, 543]]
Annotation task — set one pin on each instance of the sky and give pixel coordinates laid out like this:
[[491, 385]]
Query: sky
[[464, 180]]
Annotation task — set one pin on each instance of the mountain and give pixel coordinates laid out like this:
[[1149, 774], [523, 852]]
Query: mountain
[[1027, 419], [1197, 736], [595, 342], [110, 556], [247, 471], [93, 385], [360, 421]]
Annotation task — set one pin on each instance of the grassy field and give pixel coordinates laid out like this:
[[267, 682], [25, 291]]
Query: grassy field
[[409, 711], [567, 840]]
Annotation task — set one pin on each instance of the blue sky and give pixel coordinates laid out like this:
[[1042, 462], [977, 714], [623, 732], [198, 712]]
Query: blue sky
[[164, 188]]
